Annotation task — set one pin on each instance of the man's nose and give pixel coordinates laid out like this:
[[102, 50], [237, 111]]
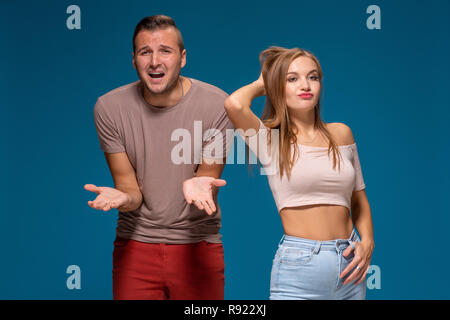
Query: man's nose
[[154, 60]]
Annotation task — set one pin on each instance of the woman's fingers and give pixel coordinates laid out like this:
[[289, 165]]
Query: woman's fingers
[[355, 262], [349, 249], [359, 265], [356, 272], [363, 277]]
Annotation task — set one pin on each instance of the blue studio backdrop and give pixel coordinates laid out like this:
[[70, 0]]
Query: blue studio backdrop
[[386, 77]]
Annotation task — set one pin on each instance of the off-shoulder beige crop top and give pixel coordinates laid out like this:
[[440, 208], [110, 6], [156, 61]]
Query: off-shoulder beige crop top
[[313, 179]]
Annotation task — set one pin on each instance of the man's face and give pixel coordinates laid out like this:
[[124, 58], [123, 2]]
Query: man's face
[[158, 59]]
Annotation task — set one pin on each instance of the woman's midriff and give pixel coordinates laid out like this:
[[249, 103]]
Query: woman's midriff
[[317, 222]]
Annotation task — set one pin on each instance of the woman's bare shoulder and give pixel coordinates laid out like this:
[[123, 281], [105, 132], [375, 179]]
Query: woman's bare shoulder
[[341, 133]]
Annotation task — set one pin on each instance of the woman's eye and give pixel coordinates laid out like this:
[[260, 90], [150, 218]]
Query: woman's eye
[[293, 79], [315, 78]]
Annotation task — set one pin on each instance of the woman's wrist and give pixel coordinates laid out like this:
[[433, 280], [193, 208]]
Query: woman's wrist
[[368, 242], [259, 88]]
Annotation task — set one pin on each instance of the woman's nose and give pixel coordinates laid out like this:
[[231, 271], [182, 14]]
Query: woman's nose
[[304, 84]]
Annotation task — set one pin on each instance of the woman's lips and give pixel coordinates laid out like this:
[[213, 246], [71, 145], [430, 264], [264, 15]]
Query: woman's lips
[[305, 95]]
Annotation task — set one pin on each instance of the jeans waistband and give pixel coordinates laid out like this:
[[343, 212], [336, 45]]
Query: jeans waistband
[[316, 245]]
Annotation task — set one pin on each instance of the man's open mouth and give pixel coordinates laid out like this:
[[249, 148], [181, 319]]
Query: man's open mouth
[[156, 75]]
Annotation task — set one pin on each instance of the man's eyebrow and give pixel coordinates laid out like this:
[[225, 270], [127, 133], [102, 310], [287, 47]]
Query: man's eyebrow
[[162, 46], [140, 49], [293, 72], [166, 47]]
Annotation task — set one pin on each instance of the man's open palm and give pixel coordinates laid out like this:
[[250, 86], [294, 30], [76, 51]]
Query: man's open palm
[[108, 198], [198, 191]]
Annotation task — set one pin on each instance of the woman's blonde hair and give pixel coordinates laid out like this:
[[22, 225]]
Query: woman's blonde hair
[[275, 62]]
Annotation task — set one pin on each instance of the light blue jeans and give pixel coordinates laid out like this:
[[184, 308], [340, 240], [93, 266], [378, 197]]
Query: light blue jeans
[[310, 269]]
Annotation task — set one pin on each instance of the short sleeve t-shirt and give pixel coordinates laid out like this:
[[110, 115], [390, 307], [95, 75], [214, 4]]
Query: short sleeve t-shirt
[[165, 146]]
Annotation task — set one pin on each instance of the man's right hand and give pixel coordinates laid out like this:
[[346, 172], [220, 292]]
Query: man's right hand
[[108, 198]]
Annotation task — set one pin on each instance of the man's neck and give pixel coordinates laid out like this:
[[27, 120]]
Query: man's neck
[[167, 99]]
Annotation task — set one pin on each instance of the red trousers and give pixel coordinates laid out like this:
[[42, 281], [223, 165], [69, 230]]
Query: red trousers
[[167, 271]]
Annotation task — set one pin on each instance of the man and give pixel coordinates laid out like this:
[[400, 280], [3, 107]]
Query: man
[[165, 248]]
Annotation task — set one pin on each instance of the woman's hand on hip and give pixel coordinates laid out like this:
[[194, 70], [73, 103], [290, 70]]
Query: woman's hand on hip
[[363, 254]]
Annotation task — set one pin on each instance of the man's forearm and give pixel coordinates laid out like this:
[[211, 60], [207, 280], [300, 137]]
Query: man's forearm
[[134, 200]]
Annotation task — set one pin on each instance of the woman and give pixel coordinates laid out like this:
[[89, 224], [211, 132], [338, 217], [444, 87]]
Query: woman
[[317, 180]]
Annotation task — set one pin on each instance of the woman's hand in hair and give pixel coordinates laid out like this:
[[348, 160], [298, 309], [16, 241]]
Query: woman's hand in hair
[[260, 84]]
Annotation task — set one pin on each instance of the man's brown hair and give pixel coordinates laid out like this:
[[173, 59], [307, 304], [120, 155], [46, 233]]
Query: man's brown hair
[[157, 22]]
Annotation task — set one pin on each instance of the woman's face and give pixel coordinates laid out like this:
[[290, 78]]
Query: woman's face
[[302, 84]]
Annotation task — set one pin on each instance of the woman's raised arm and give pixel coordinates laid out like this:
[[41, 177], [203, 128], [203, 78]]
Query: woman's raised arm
[[237, 105]]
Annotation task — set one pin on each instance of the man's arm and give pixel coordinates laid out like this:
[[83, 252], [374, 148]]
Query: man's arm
[[125, 180], [126, 196]]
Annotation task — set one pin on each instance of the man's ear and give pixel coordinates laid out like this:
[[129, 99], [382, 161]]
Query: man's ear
[[183, 58], [134, 62]]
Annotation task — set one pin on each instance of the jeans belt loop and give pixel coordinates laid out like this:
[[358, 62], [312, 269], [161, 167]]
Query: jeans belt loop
[[351, 244], [317, 247], [281, 241]]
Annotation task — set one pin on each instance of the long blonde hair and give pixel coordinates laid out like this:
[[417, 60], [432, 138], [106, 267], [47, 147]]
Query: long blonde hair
[[275, 63]]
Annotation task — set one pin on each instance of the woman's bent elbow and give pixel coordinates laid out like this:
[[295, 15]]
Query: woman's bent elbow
[[231, 105]]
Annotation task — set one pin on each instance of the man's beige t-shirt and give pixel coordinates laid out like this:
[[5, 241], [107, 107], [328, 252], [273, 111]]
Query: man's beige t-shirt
[[165, 146]]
